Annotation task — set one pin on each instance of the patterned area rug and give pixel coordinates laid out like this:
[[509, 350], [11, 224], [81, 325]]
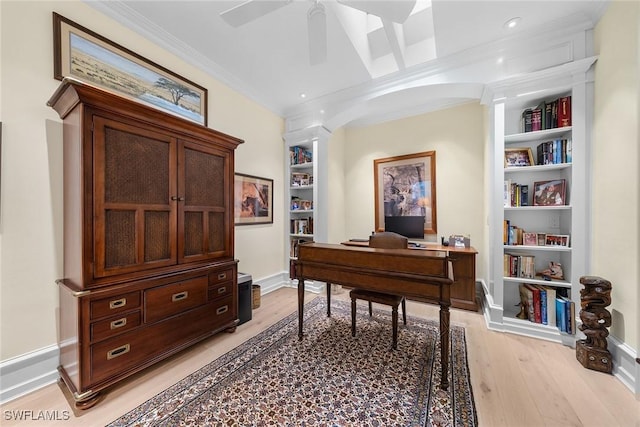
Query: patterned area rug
[[328, 379]]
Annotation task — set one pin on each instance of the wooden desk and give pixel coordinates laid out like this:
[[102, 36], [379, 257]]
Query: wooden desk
[[463, 290], [417, 275]]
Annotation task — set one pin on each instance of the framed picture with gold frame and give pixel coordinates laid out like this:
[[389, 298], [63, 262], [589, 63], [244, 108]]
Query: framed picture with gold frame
[[406, 186], [518, 157]]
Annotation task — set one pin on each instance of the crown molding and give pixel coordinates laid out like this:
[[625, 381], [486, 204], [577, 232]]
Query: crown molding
[[122, 13]]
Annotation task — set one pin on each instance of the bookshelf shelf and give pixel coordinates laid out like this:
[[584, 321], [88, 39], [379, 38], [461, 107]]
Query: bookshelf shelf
[[537, 168], [546, 248], [554, 283], [537, 135]]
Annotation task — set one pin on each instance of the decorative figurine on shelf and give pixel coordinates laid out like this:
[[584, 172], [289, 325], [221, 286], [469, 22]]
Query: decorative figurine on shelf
[[553, 272], [592, 352]]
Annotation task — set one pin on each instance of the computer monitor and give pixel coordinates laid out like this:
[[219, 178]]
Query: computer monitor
[[411, 227]]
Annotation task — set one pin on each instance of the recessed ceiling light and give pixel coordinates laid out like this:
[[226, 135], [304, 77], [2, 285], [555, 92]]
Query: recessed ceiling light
[[513, 22], [500, 60], [303, 95]]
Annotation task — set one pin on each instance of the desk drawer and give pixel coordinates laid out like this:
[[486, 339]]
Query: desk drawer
[[114, 305], [114, 325], [165, 301]]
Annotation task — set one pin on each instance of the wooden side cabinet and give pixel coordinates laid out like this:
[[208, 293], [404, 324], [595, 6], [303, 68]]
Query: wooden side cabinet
[[149, 264]]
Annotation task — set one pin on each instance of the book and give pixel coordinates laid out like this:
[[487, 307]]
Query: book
[[524, 195], [561, 314], [548, 120], [551, 305], [564, 111], [543, 305], [536, 120], [527, 117]]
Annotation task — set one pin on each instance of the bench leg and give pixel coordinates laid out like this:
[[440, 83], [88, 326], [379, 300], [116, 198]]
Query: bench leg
[[404, 311], [353, 317], [370, 309], [394, 326]]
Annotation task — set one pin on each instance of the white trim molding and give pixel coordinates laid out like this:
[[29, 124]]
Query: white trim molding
[[26, 373]]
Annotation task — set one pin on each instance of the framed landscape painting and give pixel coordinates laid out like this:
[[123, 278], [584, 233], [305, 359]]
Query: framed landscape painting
[[406, 186], [81, 54], [253, 200]]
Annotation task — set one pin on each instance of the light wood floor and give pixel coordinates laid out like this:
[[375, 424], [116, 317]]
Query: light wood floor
[[516, 381]]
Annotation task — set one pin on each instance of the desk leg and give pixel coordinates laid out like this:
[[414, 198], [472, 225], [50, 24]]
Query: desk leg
[[328, 299], [444, 345], [300, 306]]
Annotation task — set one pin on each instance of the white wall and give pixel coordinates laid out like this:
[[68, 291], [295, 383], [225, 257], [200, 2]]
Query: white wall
[[31, 209], [337, 188], [457, 135], [616, 156]]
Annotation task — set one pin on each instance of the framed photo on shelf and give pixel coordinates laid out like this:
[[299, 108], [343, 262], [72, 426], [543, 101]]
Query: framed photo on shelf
[[530, 239], [253, 199], [549, 193], [516, 157], [84, 55], [542, 239], [406, 186], [557, 240]]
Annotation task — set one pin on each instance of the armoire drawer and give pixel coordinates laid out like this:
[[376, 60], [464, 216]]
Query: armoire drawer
[[114, 305], [164, 301], [112, 326], [216, 277], [220, 290], [137, 348]]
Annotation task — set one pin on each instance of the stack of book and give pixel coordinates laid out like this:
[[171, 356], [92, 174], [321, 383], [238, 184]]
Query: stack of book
[[544, 305], [515, 194], [519, 266], [547, 115], [300, 155], [554, 152]]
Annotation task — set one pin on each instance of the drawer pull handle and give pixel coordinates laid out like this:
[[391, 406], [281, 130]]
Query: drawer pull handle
[[179, 296], [118, 323], [111, 354], [222, 289], [117, 303], [222, 309], [222, 276]]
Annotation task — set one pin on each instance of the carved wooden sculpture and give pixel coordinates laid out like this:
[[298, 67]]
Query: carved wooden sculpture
[[592, 352]]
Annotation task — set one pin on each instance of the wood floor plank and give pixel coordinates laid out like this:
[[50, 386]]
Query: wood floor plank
[[516, 380]]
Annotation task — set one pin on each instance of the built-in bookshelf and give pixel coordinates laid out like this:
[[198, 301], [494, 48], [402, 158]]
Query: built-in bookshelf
[[539, 214], [306, 187], [301, 197]]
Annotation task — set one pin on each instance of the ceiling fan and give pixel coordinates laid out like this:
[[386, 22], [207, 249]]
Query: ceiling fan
[[394, 11]]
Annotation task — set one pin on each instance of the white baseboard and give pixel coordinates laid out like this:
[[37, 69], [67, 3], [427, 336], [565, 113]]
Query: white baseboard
[[625, 367], [26, 373]]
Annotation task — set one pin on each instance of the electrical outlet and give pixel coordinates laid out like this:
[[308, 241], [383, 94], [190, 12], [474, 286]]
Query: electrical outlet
[[554, 221]]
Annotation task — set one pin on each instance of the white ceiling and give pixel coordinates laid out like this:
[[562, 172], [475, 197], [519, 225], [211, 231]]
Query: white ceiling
[[267, 59]]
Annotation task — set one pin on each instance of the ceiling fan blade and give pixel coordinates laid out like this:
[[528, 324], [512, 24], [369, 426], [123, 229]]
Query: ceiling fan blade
[[250, 10], [317, 29], [395, 11]]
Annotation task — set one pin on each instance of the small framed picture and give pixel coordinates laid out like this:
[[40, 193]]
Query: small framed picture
[[549, 193], [530, 239], [517, 157], [542, 239], [557, 240]]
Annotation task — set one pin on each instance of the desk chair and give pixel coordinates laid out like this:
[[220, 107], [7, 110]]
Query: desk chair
[[384, 240]]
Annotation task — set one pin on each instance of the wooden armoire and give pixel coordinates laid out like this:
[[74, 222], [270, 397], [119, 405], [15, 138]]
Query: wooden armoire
[[149, 267]]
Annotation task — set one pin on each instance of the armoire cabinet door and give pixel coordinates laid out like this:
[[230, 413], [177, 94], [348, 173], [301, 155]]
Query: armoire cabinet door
[[204, 215], [136, 198]]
